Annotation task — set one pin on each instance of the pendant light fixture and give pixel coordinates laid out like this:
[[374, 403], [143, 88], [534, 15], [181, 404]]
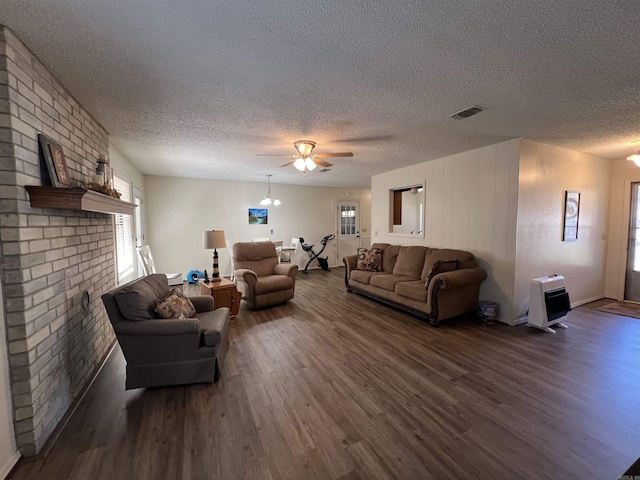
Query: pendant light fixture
[[267, 200]]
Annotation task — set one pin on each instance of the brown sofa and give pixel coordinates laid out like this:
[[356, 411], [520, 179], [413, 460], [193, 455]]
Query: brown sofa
[[432, 283], [259, 277], [162, 351]]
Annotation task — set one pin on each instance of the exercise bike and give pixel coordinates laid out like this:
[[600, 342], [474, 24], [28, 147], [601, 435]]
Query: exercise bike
[[323, 262]]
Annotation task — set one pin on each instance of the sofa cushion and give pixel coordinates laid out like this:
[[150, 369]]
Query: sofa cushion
[[213, 325], [136, 300], [363, 276], [414, 290], [369, 259], [388, 282], [410, 261], [463, 259], [389, 257], [175, 305], [441, 266], [273, 283]]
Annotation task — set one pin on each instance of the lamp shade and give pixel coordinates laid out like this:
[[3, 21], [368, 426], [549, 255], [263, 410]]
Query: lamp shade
[[213, 239]]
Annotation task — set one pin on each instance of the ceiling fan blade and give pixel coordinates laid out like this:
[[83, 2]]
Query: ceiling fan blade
[[274, 155], [334, 155], [288, 163], [322, 163]]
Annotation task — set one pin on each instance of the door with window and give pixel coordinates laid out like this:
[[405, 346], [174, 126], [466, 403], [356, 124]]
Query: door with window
[[632, 284], [348, 239]]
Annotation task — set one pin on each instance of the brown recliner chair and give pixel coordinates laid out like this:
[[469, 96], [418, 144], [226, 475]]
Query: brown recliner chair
[[259, 277], [163, 351]]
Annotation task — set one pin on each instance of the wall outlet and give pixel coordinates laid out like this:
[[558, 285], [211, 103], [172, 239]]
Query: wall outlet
[[271, 231]]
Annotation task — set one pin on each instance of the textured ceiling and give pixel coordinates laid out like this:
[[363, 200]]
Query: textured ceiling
[[197, 88]]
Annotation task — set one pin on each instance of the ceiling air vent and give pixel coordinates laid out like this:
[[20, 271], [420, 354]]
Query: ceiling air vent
[[467, 112]]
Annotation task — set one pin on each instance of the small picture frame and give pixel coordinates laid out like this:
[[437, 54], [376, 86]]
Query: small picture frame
[[258, 216], [571, 216], [55, 161]]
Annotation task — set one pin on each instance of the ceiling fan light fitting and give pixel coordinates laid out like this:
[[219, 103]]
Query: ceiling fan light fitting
[[299, 164], [635, 158], [304, 147], [310, 164], [276, 202]]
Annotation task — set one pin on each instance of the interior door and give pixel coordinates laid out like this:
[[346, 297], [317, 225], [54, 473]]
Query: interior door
[[348, 228], [632, 285]]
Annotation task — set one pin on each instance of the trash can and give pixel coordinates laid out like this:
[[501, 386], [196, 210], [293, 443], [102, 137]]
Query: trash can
[[487, 312]]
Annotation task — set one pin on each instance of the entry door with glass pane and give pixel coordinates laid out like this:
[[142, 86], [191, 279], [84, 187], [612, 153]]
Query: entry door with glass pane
[[348, 229], [632, 286]]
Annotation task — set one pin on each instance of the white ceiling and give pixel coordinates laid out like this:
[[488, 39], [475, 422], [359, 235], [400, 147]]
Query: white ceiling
[[197, 88]]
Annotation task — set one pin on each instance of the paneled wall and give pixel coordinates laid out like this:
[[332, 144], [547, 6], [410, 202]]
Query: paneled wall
[[49, 257], [471, 204]]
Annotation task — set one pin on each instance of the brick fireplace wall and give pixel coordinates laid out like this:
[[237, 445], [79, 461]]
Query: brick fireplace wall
[[48, 257]]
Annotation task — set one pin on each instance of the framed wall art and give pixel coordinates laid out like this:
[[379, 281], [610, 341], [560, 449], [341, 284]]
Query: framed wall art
[[571, 216], [258, 216], [55, 161]]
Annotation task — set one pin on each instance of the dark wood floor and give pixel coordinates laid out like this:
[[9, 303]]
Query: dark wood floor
[[336, 386]]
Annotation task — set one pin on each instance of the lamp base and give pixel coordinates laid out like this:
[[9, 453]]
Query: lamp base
[[215, 274]]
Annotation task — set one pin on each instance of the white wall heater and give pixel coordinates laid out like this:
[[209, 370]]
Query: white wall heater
[[548, 303]]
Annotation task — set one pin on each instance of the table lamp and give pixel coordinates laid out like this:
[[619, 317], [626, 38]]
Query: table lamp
[[214, 239]]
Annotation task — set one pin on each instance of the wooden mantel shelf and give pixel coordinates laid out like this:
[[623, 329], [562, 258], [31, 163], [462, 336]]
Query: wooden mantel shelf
[[77, 199]]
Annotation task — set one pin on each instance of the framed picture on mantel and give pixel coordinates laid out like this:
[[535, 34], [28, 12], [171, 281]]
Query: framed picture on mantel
[[571, 216], [55, 161]]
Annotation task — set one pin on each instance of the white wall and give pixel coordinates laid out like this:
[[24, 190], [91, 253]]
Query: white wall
[[124, 168], [623, 174], [9, 454], [546, 172], [178, 210], [365, 218], [471, 204]]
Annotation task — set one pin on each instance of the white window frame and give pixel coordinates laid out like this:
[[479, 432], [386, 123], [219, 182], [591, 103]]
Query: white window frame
[[123, 232]]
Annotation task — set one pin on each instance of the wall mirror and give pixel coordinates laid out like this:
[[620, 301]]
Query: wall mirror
[[406, 210]]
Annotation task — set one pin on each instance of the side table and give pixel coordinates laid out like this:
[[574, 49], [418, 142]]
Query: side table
[[224, 294]]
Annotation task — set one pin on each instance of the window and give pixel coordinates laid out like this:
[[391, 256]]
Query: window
[[347, 219], [124, 237]]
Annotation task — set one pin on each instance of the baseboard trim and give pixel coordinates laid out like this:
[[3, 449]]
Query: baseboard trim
[[9, 464], [588, 300]]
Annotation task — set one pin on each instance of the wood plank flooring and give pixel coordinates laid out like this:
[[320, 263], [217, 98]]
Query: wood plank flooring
[[335, 386]]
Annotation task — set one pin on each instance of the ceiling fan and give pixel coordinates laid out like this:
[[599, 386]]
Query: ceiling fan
[[305, 160]]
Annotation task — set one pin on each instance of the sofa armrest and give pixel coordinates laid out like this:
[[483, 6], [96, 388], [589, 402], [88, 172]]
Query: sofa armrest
[[157, 327], [460, 278], [351, 263], [286, 269], [202, 303], [246, 275]]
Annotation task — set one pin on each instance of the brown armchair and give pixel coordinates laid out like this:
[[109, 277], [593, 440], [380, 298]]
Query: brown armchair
[[162, 351], [259, 277]]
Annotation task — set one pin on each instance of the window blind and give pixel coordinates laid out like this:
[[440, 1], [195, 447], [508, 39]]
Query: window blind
[[124, 236]]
